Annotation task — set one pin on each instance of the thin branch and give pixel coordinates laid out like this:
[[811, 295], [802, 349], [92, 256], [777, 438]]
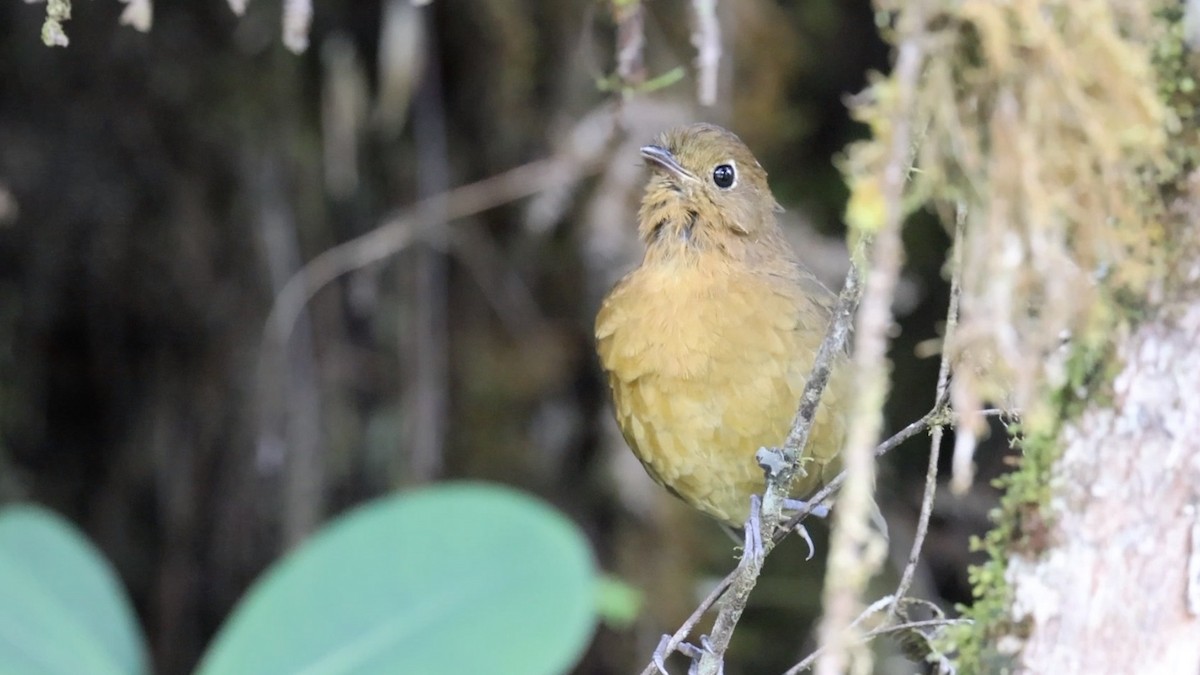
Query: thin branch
[[855, 550], [927, 623], [779, 482], [870, 635], [686, 628], [583, 154], [706, 37], [399, 231], [935, 420], [932, 418], [297, 18], [833, 346], [875, 607], [631, 43], [935, 443]]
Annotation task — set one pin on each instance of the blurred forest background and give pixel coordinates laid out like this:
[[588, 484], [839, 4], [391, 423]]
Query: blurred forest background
[[158, 190]]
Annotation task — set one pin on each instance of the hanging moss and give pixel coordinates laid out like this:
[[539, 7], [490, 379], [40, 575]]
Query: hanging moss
[[1023, 520]]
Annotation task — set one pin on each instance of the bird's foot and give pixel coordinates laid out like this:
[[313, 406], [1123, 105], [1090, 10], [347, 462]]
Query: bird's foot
[[660, 655], [803, 532], [818, 510], [752, 544], [705, 648], [687, 649]]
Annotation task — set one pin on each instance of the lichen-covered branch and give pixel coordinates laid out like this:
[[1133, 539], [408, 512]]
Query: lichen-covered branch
[[745, 577], [935, 442], [934, 417], [855, 550]]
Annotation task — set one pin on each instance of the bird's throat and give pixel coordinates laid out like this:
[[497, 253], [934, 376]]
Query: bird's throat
[[674, 230]]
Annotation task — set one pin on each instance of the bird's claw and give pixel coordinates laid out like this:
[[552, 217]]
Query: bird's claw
[[660, 655], [705, 648], [752, 547], [818, 510], [752, 543], [803, 532], [687, 649]]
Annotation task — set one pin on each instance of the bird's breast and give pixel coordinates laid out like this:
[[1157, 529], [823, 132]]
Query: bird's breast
[[706, 364]]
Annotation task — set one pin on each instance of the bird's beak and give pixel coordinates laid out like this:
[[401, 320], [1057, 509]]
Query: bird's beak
[[660, 157]]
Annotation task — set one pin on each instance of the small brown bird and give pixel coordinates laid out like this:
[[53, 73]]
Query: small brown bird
[[708, 343]]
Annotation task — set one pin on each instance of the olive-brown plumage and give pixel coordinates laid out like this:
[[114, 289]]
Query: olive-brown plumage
[[708, 342]]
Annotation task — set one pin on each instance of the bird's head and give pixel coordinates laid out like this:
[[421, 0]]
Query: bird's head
[[706, 185]]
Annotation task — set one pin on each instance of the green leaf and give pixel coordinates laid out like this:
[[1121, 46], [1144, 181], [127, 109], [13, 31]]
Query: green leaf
[[617, 602], [461, 578], [62, 608]]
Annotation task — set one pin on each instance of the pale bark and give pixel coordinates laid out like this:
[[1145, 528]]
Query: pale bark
[[1117, 590]]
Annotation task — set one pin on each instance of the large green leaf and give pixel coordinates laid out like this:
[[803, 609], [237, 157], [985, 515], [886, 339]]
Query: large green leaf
[[62, 609], [460, 578]]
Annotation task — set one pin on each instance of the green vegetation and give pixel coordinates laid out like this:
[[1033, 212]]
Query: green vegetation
[[458, 578]]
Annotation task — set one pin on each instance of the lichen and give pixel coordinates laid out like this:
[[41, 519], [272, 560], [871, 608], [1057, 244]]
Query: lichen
[[1061, 127], [1123, 275], [57, 11], [1023, 518]]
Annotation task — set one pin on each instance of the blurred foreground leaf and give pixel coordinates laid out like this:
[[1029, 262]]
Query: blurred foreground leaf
[[62, 608], [617, 602], [460, 578]]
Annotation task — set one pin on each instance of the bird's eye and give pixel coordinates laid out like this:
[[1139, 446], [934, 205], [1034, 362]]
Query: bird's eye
[[723, 176]]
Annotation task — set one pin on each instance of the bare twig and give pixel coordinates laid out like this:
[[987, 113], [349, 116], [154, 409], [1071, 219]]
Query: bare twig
[[875, 607], [631, 43], [833, 346], [937, 416], [399, 231], [856, 551], [686, 628], [870, 635], [932, 418], [935, 443], [706, 37], [290, 410], [297, 17], [500, 284], [582, 155], [778, 483]]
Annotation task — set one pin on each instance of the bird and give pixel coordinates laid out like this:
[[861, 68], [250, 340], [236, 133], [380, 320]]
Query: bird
[[708, 343]]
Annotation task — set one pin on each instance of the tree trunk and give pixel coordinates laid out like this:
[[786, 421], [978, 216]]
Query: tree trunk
[[1117, 587]]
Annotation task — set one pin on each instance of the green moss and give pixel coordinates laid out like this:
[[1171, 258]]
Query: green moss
[[1176, 66], [1023, 520]]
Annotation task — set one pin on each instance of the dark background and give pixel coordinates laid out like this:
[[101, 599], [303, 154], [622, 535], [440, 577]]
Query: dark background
[[157, 190]]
